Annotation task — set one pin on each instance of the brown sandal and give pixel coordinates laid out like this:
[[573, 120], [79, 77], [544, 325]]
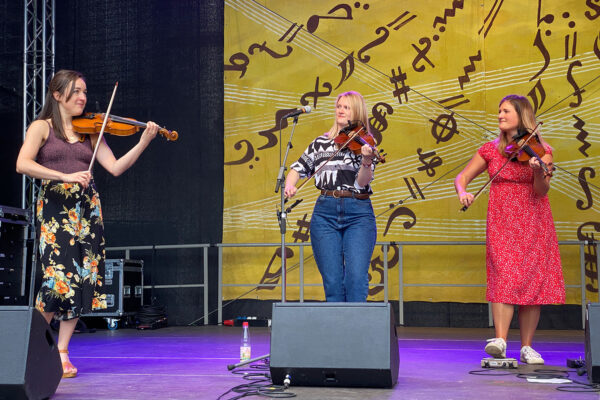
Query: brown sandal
[[67, 364]]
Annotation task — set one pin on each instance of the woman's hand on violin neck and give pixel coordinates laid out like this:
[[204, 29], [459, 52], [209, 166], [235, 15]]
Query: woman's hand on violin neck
[[465, 198], [82, 177], [290, 191], [538, 168], [367, 153], [534, 163], [150, 132]]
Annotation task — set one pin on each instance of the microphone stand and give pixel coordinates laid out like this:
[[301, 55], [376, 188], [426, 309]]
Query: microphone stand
[[282, 217], [250, 361], [282, 214]]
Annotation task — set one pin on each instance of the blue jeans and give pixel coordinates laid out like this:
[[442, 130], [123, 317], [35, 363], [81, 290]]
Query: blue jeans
[[343, 235]]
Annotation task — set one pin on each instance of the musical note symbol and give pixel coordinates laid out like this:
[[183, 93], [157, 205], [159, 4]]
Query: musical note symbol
[[581, 135], [548, 18], [235, 66], [298, 29], [378, 267], [493, 13], [374, 43], [272, 277], [398, 92], [457, 97], [421, 54], [571, 25], [429, 167], [449, 125], [316, 94], [378, 122], [539, 43], [263, 47], [586, 188], [280, 123], [591, 267], [299, 235], [313, 22], [402, 23], [417, 188], [469, 68], [595, 7], [570, 79], [539, 87], [347, 66], [247, 157], [398, 212]]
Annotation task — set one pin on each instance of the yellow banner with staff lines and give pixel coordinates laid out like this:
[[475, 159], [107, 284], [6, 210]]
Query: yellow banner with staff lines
[[432, 74]]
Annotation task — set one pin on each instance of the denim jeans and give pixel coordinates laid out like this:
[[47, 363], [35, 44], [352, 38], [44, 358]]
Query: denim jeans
[[343, 235]]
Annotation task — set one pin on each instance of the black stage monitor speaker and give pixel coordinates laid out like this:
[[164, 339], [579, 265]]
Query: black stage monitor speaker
[[30, 366], [592, 342], [334, 344]]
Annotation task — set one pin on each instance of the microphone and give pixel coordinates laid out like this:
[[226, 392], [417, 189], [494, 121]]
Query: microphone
[[301, 110]]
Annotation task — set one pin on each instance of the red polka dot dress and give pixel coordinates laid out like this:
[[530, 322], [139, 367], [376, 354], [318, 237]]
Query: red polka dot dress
[[522, 257]]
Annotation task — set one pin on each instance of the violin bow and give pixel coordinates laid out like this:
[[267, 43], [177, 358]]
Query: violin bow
[[103, 126]]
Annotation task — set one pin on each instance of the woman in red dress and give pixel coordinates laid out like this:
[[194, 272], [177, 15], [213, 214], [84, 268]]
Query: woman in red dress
[[522, 257]]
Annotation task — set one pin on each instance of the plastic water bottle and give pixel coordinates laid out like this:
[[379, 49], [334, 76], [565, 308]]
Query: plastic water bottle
[[245, 349]]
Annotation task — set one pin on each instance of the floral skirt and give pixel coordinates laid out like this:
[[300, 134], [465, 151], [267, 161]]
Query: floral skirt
[[71, 249]]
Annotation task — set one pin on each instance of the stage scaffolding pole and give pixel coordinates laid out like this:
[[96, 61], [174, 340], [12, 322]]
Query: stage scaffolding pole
[[38, 68]]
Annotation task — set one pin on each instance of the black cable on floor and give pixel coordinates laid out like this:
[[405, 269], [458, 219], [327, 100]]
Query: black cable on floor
[[491, 371], [261, 385], [574, 387]]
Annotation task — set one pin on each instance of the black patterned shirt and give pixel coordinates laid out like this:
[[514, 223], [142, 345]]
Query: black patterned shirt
[[339, 173]]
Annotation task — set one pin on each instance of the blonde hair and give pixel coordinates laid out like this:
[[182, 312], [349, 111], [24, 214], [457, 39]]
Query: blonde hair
[[359, 112], [526, 120]]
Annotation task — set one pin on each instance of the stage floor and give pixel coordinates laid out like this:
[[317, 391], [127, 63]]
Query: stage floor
[[191, 363]]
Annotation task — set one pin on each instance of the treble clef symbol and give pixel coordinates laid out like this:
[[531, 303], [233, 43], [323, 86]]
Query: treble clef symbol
[[442, 136]]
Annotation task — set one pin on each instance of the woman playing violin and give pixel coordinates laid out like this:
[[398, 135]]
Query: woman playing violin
[[68, 213], [522, 256], [342, 228]]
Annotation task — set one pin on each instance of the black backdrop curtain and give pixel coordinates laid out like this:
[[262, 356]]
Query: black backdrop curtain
[[167, 57]]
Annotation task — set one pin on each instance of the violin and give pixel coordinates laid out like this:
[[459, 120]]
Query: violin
[[525, 145], [354, 137], [90, 123]]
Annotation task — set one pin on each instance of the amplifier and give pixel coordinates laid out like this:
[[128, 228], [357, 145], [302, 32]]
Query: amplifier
[[15, 256]]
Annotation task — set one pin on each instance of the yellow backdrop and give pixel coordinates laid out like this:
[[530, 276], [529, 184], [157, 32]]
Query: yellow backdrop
[[432, 73]]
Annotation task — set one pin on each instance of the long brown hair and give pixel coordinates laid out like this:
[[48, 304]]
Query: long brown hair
[[359, 112], [526, 120], [61, 81]]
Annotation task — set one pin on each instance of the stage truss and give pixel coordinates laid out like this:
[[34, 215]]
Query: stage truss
[[38, 68]]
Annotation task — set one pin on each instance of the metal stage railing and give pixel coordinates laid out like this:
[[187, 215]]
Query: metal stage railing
[[386, 245], [126, 251]]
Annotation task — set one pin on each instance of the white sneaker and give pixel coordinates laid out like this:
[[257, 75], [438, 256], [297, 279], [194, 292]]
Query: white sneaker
[[530, 356], [496, 348]]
